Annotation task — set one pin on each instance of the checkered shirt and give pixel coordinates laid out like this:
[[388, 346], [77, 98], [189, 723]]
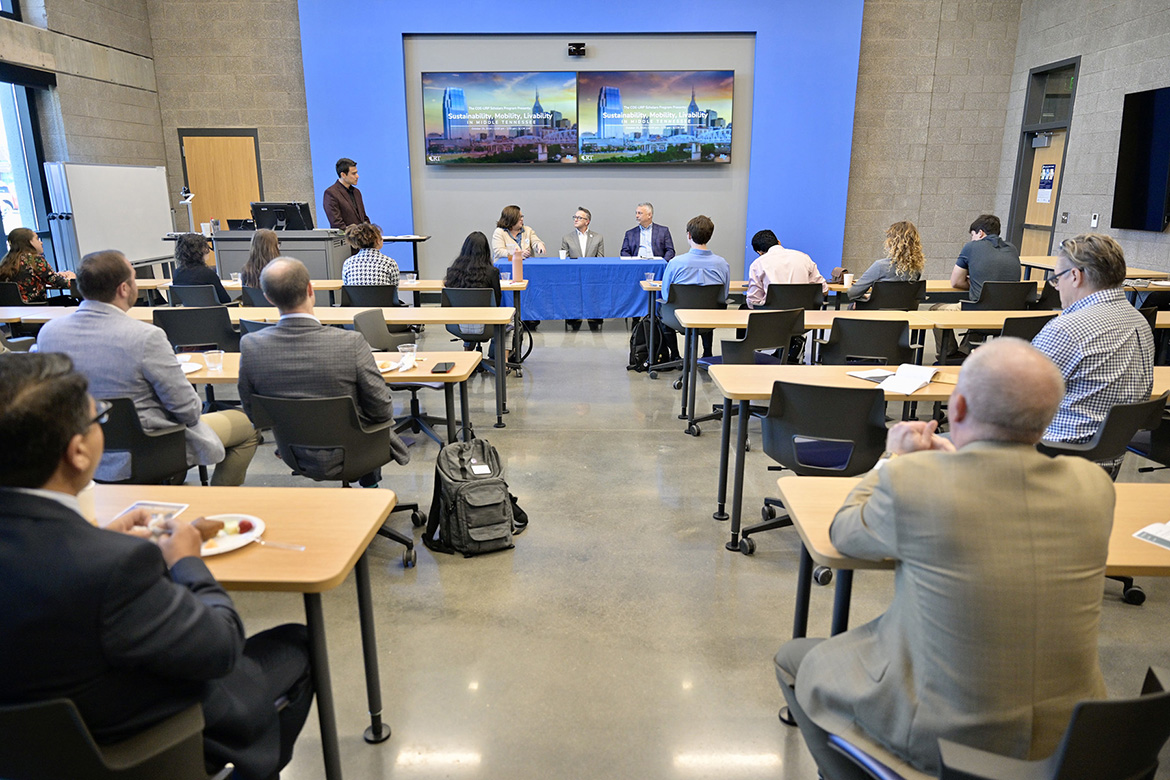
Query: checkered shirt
[[1105, 349], [369, 266]]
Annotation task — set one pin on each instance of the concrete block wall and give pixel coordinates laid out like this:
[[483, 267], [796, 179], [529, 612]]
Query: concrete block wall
[[1124, 47], [235, 64], [929, 126]]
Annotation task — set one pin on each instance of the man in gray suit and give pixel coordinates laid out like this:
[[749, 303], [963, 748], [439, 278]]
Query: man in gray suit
[[999, 553], [301, 358], [122, 357], [583, 242]]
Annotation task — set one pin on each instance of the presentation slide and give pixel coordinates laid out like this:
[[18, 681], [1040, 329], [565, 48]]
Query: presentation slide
[[655, 116], [472, 118]]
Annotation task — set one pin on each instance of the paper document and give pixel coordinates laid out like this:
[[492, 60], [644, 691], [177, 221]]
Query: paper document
[[1158, 533], [872, 375], [908, 379]]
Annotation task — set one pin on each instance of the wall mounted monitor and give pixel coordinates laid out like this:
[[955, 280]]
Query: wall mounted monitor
[[502, 117], [1141, 191], [665, 116], [282, 216]]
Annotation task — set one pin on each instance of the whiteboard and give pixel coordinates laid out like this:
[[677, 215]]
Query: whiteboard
[[123, 207]]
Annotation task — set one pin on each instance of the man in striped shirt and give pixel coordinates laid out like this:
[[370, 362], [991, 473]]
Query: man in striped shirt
[[1102, 345]]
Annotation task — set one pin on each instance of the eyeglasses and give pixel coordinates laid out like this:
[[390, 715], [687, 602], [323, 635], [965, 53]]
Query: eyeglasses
[[103, 413], [1055, 278], [575, 218]]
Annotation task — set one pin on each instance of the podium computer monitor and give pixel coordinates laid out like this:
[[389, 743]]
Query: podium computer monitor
[[282, 216]]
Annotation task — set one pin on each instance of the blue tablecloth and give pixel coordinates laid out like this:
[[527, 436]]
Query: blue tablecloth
[[594, 288]]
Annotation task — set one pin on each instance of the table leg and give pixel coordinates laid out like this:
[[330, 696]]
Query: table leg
[[737, 484], [650, 319], [841, 597], [803, 592], [378, 731], [449, 401], [686, 371], [516, 327], [501, 386], [465, 411], [725, 441], [319, 659], [693, 387]]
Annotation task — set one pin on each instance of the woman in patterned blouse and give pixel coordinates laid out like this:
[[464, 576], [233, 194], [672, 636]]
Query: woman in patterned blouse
[[369, 265], [25, 265]]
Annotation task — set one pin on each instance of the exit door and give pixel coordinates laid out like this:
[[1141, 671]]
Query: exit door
[[1043, 191]]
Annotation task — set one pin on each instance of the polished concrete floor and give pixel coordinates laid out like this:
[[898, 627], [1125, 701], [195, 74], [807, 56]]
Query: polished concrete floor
[[618, 639]]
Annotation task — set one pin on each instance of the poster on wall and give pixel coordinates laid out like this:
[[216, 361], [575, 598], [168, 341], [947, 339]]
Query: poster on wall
[[655, 116], [500, 117], [1047, 176]]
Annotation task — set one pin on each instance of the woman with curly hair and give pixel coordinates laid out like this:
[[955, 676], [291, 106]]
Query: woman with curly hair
[[369, 265], [903, 261], [25, 265], [191, 268], [264, 248]]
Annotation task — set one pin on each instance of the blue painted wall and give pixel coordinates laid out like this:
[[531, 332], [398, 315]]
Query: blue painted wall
[[805, 85]]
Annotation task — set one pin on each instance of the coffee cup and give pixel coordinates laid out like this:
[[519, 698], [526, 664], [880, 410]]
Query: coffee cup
[[847, 280], [564, 254]]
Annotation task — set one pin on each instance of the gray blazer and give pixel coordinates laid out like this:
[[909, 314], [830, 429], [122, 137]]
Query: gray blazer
[[301, 358], [991, 638], [594, 244], [122, 357]]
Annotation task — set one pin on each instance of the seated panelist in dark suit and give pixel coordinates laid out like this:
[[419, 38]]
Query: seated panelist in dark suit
[[647, 239], [131, 631], [301, 358]]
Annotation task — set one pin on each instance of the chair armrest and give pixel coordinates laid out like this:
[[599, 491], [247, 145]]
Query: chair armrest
[[970, 763], [21, 343], [821, 341], [168, 431], [375, 427], [863, 760], [156, 740]]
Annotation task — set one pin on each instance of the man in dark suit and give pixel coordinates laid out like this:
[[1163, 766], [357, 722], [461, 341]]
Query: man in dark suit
[[343, 200], [130, 631], [301, 358], [647, 239]]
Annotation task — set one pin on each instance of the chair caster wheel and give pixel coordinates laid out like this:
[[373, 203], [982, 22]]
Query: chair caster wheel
[[747, 446], [768, 513], [677, 384], [1134, 595], [653, 374], [409, 558], [822, 575], [786, 717], [418, 519], [694, 430], [747, 545]]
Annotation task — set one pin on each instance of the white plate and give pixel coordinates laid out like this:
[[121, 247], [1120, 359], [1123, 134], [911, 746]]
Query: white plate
[[1160, 284], [218, 545], [191, 368], [388, 366]]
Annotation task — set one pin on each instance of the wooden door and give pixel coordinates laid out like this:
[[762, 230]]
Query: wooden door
[[222, 169], [1043, 189]]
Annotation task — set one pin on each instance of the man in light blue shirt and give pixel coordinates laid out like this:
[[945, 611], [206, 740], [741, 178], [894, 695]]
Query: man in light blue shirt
[[698, 266]]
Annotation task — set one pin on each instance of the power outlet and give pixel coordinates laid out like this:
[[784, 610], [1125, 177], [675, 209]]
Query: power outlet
[[1093, 221]]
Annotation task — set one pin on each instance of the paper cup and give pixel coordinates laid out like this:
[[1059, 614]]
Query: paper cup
[[564, 254], [206, 228], [847, 280]]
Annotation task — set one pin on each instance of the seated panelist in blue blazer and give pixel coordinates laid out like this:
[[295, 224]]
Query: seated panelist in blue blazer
[[647, 239]]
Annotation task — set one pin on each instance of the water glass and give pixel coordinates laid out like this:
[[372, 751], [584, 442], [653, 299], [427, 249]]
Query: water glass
[[649, 276], [236, 278], [505, 276], [407, 349], [214, 360]]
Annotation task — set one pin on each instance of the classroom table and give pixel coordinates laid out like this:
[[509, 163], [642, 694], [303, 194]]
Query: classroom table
[[331, 286], [334, 525], [812, 502], [978, 319], [465, 365], [695, 320], [744, 384], [592, 287], [1048, 263]]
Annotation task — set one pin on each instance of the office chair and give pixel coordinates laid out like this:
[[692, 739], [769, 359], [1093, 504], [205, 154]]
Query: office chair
[[819, 431], [1115, 739], [324, 439], [185, 326], [809, 297], [1047, 300], [252, 326], [894, 295], [1025, 328], [889, 339], [193, 295], [16, 344], [1002, 296], [253, 296], [472, 333], [380, 295], [1111, 441], [372, 325], [10, 294], [48, 741], [1152, 445], [157, 457], [686, 296]]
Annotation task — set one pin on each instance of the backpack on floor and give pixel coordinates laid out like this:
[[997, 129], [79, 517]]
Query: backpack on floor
[[471, 508], [640, 344]]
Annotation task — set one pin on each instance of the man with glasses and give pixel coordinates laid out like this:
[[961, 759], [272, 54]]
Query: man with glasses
[[583, 242], [122, 357], [1102, 345], [131, 630]]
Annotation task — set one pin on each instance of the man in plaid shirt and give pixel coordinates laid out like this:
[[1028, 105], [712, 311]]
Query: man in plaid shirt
[[1100, 342]]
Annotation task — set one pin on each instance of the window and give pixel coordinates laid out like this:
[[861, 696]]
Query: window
[[17, 206], [10, 9]]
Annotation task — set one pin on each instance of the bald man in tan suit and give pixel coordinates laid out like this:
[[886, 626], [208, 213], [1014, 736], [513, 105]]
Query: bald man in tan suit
[[1000, 551]]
